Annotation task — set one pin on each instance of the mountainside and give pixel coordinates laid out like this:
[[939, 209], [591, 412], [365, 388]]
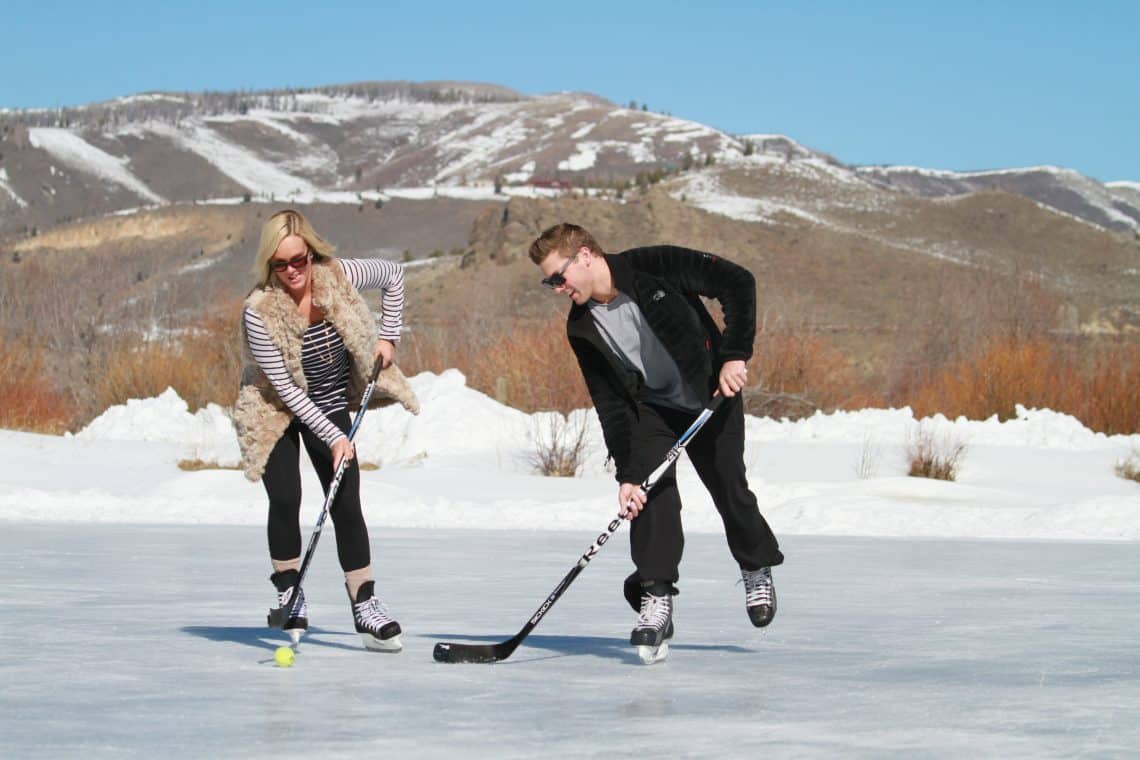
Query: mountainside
[[458, 178], [344, 143]]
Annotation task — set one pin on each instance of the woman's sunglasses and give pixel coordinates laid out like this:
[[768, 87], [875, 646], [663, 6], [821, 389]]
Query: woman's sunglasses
[[298, 262]]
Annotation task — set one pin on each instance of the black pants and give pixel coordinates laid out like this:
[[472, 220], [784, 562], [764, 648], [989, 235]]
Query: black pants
[[717, 452], [282, 481]]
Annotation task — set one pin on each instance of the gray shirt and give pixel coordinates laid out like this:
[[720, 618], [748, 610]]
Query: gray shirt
[[623, 329]]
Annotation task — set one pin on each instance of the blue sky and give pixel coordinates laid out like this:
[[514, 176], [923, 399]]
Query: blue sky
[[948, 85]]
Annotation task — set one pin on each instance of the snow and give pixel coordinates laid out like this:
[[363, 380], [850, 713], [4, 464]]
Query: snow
[[522, 174], [71, 149], [468, 149], [1124, 184], [1092, 192], [583, 130], [7, 188], [152, 97], [585, 157], [309, 156], [951, 174], [586, 153], [675, 130], [993, 616], [340, 108], [464, 463], [702, 189], [258, 175]]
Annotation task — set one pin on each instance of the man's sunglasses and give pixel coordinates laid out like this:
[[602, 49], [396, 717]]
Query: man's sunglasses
[[298, 262], [558, 279]]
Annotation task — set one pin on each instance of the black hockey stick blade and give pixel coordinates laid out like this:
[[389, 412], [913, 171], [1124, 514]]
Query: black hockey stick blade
[[481, 653]]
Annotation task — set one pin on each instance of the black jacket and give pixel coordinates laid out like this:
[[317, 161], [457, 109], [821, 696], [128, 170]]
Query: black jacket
[[666, 282]]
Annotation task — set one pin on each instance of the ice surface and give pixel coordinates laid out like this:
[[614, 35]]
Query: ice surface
[[150, 640], [134, 596]]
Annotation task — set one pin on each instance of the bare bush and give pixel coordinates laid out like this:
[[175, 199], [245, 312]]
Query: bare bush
[[869, 455], [196, 465], [970, 310], [81, 352], [1005, 371], [558, 444], [978, 352], [1096, 385], [203, 365], [1129, 468], [526, 364], [28, 399], [933, 456], [799, 372], [1108, 399]]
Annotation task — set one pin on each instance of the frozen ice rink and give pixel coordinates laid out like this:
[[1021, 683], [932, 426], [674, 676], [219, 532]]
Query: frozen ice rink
[[149, 640]]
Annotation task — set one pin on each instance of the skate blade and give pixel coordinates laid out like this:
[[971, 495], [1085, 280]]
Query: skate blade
[[295, 635], [650, 655], [373, 644]]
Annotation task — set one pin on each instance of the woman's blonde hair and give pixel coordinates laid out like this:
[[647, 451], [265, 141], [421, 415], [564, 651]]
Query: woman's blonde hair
[[280, 226]]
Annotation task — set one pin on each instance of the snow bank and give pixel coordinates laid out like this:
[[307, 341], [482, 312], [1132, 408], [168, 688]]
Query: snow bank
[[467, 461]]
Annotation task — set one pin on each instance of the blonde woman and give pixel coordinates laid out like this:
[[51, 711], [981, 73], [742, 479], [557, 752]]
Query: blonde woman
[[309, 344]]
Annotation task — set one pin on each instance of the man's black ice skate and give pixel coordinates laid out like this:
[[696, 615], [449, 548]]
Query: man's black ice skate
[[759, 596], [298, 614], [377, 628], [654, 623]]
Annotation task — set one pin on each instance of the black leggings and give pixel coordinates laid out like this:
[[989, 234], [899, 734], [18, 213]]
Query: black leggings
[[282, 481]]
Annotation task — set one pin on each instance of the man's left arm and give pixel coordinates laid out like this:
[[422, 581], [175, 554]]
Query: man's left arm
[[710, 276], [697, 273]]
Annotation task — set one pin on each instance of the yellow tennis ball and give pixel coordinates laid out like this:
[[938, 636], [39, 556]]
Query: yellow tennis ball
[[283, 657]]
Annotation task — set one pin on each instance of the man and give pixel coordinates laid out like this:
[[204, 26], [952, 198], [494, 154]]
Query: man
[[652, 358]]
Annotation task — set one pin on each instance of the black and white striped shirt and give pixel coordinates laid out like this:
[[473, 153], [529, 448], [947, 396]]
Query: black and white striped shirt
[[324, 358]]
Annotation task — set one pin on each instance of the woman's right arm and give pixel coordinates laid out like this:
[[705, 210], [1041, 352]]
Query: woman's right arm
[[272, 363]]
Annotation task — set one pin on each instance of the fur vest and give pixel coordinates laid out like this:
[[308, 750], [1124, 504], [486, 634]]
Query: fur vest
[[259, 415]]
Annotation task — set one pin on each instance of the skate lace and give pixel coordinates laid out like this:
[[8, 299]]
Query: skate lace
[[654, 611], [757, 587], [373, 614], [286, 597]]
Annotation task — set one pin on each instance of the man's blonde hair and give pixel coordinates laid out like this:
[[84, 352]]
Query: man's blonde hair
[[280, 226], [564, 239]]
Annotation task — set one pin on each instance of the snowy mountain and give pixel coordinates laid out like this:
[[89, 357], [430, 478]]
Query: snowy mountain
[[333, 143], [173, 187], [1113, 206]]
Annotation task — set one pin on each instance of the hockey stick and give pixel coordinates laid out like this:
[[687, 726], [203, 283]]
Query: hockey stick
[[456, 652], [279, 616]]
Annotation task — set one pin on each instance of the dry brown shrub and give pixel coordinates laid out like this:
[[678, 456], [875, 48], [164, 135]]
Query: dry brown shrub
[[1110, 402], [197, 465], [435, 347], [1129, 468], [799, 372], [28, 399], [203, 365], [558, 445], [527, 364], [933, 456], [1005, 372], [971, 309], [1046, 373]]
